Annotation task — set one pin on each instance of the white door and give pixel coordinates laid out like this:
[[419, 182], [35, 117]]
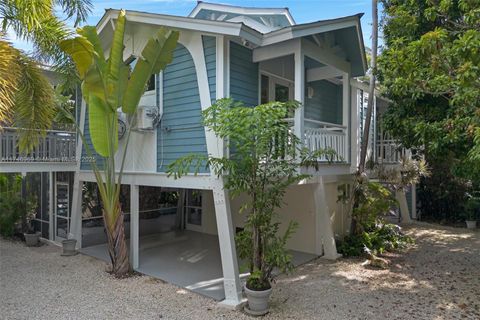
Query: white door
[[193, 210], [275, 89], [62, 211]]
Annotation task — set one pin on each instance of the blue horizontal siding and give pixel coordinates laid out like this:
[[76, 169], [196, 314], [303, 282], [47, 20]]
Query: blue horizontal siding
[[210, 52], [243, 75], [85, 163], [326, 103], [181, 131]]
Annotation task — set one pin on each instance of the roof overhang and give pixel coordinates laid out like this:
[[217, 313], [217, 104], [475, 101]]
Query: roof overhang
[[241, 10], [319, 27], [256, 38], [183, 23]]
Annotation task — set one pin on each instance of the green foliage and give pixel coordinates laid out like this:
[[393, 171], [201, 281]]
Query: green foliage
[[107, 85], [407, 173], [371, 235], [377, 239], [14, 210], [26, 96], [264, 159], [256, 282], [472, 207], [10, 213], [429, 69], [374, 201], [442, 195]]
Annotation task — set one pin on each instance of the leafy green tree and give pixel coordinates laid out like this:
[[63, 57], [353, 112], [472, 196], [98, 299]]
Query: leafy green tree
[[430, 69], [26, 96], [265, 158], [109, 84]]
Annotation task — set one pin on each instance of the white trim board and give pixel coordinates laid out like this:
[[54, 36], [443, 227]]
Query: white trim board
[[241, 10]]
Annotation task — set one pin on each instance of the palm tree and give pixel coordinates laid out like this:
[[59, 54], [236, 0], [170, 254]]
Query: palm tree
[[26, 98]]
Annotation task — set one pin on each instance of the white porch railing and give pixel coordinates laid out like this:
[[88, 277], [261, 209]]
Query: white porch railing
[[390, 151], [327, 136], [319, 135], [55, 146]]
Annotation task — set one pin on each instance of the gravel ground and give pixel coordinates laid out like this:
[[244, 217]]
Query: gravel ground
[[439, 278]]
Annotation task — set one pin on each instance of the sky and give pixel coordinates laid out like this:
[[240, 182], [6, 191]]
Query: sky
[[302, 10]]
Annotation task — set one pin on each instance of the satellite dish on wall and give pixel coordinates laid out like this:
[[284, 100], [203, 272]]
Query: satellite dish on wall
[[122, 128]]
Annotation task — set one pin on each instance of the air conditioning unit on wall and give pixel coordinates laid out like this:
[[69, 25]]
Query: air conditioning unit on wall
[[146, 116]]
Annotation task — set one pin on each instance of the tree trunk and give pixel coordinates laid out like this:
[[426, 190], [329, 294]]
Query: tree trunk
[[366, 132], [371, 89], [117, 245], [257, 258]]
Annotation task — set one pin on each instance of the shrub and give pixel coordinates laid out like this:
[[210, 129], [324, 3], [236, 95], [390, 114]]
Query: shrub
[[378, 239], [10, 213]]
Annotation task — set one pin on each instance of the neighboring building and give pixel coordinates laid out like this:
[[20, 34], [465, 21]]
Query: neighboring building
[[255, 55]]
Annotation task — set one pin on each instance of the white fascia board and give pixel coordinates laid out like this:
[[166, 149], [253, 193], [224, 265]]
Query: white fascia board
[[362, 46], [105, 19], [25, 167], [308, 29], [322, 73], [275, 50], [252, 23], [154, 179], [208, 26], [242, 10]]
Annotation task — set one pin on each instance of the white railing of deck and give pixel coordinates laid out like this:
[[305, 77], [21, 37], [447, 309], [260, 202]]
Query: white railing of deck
[[390, 151], [319, 135], [54, 146]]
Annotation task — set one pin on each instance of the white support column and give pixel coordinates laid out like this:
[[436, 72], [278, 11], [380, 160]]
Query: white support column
[[228, 252], [401, 197], [76, 213], [414, 202], [324, 236], [354, 129], [299, 91], [346, 115], [51, 206], [134, 226], [215, 147]]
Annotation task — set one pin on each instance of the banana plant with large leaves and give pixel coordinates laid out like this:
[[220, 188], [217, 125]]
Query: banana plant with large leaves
[[107, 85]]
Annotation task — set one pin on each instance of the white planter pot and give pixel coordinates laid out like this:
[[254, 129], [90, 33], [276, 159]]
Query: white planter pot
[[32, 239], [471, 224], [257, 301], [69, 247]]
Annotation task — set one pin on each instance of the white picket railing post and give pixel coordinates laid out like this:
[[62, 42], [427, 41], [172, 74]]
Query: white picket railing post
[[390, 151], [327, 136]]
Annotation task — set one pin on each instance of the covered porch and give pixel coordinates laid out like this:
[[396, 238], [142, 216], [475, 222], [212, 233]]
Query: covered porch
[[313, 64]]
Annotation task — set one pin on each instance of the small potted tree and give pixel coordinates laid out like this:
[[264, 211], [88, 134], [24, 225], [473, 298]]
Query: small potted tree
[[27, 210], [264, 160]]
